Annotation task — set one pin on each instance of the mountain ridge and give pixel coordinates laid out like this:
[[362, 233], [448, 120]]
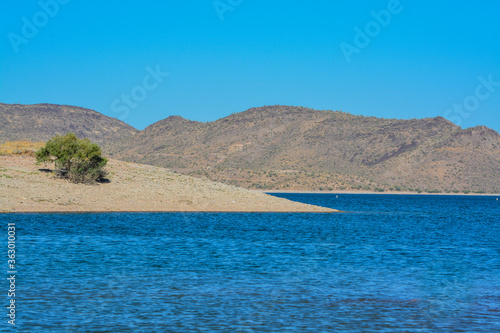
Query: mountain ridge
[[40, 122], [349, 151], [281, 147]]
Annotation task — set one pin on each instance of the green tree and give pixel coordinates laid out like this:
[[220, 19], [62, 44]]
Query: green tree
[[79, 160]]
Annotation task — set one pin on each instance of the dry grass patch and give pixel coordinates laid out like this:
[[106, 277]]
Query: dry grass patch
[[26, 148]]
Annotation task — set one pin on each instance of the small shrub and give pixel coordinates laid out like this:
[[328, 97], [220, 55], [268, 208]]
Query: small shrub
[[78, 160]]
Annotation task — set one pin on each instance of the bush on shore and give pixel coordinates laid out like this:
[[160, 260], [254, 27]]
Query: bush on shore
[[78, 160]]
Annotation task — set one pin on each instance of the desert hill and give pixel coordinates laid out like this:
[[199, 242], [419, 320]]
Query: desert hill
[[40, 122], [295, 148], [286, 148]]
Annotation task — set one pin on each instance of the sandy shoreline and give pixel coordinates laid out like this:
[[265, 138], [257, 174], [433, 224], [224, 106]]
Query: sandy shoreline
[[170, 211], [132, 188], [381, 193]]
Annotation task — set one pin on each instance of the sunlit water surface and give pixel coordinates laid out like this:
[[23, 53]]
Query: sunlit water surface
[[390, 264]]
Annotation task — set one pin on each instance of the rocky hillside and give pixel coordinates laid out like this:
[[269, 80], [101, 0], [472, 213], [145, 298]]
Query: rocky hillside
[[294, 148], [286, 148], [40, 122]]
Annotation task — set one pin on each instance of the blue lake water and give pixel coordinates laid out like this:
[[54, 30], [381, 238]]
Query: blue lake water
[[390, 264]]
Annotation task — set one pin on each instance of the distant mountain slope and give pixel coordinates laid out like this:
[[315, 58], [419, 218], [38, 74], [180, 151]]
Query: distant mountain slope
[[39, 122], [284, 147]]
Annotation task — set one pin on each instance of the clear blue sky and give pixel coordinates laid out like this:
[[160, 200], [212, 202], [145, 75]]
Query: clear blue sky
[[227, 56]]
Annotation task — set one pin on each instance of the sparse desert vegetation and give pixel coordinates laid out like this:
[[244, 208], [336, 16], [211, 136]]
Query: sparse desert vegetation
[[24, 187], [78, 160], [25, 148]]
